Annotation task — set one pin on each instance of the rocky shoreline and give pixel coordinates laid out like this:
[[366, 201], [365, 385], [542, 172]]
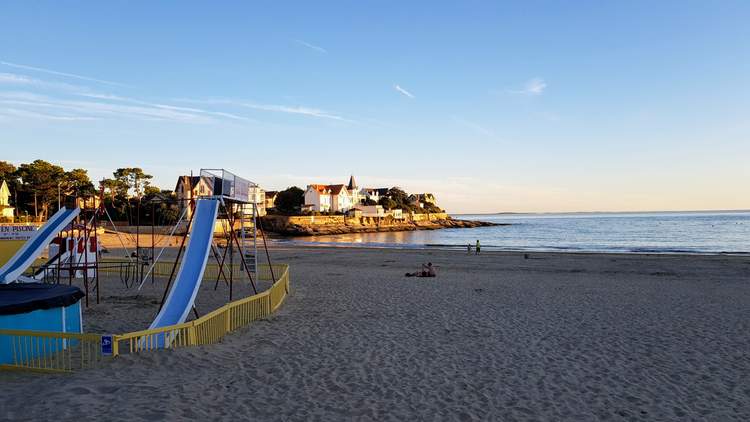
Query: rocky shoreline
[[286, 228]]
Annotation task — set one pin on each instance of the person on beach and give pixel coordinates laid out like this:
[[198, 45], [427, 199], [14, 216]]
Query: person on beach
[[427, 271], [468, 249], [478, 247]]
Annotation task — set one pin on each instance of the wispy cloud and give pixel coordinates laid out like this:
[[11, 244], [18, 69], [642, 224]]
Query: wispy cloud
[[89, 109], [311, 46], [535, 86], [14, 112], [58, 73], [117, 98], [16, 79], [300, 110], [37, 97], [476, 127], [305, 111], [403, 91]]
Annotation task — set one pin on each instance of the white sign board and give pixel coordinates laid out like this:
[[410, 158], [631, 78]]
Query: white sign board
[[16, 231]]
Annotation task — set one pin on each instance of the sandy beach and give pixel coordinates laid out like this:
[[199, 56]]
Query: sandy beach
[[494, 337]]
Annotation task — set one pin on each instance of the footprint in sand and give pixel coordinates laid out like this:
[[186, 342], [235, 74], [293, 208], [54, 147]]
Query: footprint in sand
[[81, 391]]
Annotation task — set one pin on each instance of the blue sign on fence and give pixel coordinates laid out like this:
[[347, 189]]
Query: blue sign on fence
[[107, 345]]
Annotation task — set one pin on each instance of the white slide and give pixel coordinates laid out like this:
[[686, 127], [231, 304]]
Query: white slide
[[30, 250]]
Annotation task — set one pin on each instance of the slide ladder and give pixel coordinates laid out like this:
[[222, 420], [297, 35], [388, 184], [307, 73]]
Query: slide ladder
[[25, 256], [188, 281]]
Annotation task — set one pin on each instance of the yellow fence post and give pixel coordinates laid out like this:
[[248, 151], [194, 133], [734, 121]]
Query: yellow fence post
[[191, 335]]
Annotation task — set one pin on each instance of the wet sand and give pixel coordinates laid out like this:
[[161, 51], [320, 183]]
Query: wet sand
[[494, 337]]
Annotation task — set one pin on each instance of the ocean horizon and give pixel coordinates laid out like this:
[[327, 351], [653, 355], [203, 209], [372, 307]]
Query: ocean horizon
[[667, 232]]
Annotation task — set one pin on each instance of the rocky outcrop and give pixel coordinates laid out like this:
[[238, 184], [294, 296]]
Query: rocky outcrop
[[296, 226]]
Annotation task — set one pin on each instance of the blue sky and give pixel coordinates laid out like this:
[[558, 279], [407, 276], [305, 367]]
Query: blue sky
[[493, 106]]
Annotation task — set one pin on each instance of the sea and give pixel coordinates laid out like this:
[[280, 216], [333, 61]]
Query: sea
[[715, 232]]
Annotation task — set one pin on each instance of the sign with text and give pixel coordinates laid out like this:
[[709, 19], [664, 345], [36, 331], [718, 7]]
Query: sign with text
[[16, 231]]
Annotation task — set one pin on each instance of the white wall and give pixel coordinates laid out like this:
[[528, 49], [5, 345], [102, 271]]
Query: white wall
[[372, 210], [320, 202]]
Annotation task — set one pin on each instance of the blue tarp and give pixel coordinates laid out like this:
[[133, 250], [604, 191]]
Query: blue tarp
[[18, 298], [37, 307]]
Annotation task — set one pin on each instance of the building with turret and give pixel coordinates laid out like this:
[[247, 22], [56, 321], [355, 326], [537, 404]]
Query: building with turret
[[335, 198]]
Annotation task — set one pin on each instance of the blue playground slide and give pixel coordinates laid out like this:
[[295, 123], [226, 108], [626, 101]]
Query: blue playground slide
[[34, 246], [182, 295]]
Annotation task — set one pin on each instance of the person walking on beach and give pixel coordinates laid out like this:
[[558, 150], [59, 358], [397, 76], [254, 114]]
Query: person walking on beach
[[468, 249], [478, 248]]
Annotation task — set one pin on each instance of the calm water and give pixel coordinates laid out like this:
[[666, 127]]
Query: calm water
[[685, 232]]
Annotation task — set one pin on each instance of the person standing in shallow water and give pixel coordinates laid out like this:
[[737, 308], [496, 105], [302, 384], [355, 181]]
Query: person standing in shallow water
[[478, 247]]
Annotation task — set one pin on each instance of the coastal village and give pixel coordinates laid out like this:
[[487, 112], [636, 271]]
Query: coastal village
[[30, 192], [317, 199]]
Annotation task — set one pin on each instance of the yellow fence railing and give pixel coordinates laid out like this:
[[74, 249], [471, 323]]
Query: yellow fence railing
[[212, 327], [63, 352], [50, 351]]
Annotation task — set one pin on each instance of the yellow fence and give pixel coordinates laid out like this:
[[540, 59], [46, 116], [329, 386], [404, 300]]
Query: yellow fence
[[212, 327], [61, 352], [51, 351]]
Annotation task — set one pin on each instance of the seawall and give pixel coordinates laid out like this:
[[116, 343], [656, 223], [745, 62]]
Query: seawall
[[340, 224]]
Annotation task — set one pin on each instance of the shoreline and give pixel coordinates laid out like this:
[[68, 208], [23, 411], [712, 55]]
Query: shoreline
[[299, 242], [111, 242]]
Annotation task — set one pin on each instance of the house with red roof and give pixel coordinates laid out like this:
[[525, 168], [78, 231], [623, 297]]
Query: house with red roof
[[336, 198]]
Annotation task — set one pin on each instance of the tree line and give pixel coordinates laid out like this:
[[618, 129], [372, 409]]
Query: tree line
[[39, 188]]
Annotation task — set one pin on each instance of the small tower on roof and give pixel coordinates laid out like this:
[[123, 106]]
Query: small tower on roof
[[352, 186]]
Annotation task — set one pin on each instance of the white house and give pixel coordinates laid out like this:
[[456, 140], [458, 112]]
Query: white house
[[258, 197], [324, 198], [6, 211], [341, 198], [317, 198]]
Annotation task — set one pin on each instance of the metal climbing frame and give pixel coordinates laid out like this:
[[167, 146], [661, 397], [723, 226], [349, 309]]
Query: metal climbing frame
[[241, 198]]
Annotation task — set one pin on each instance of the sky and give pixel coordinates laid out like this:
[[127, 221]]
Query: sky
[[528, 106]]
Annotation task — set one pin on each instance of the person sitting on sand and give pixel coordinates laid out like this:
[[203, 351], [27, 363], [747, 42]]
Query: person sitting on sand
[[427, 271]]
